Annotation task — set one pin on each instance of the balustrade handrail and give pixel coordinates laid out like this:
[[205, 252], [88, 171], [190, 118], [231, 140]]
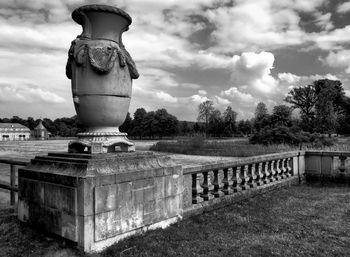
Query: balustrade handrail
[[328, 153], [12, 185], [14, 161], [240, 162]]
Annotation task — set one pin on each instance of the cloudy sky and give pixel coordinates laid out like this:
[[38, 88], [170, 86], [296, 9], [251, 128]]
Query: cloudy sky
[[236, 53]]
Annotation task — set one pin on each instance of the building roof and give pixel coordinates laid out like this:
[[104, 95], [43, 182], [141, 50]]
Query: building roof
[[12, 125], [40, 126]]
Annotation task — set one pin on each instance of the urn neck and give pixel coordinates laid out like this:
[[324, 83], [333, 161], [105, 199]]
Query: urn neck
[[102, 22]]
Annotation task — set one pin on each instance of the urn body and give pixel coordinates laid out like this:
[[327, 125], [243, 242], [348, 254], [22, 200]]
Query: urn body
[[100, 68]]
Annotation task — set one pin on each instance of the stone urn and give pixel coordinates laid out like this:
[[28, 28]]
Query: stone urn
[[101, 73]]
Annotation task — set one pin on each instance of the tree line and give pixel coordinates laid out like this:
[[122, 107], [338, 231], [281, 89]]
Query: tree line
[[323, 109], [63, 127]]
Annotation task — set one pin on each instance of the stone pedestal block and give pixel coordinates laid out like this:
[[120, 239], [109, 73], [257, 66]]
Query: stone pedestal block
[[96, 200]]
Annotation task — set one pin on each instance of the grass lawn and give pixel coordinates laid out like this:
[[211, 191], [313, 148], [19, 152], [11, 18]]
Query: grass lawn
[[297, 221]]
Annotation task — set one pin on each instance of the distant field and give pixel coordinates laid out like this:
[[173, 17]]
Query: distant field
[[32, 147], [239, 147]]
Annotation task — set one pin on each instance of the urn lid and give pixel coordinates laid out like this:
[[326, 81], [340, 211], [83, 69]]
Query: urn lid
[[78, 13]]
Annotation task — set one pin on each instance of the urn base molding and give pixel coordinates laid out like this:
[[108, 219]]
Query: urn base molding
[[105, 142]]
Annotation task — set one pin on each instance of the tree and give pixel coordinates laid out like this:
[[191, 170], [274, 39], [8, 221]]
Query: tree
[[166, 124], [205, 109], [329, 103], [30, 123], [244, 127], [262, 118], [260, 111], [304, 99], [216, 124], [149, 124], [184, 128], [127, 125], [138, 122], [281, 115], [197, 128], [230, 121], [50, 126]]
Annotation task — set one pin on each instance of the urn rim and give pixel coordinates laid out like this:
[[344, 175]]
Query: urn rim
[[78, 13]]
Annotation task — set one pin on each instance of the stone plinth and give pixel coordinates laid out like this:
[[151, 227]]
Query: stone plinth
[[96, 200]]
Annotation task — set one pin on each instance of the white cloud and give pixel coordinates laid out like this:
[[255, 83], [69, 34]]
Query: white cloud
[[190, 85], [27, 94], [166, 97], [202, 92], [236, 95], [324, 21], [288, 77], [255, 25], [302, 5], [339, 59], [331, 40], [344, 7], [254, 70], [288, 80], [222, 101], [198, 99]]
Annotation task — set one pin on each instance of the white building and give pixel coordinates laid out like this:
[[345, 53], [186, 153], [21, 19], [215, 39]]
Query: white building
[[13, 131]]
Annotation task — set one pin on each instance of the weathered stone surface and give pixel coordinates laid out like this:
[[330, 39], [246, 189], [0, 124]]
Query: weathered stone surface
[[117, 164], [97, 200], [107, 224], [106, 198]]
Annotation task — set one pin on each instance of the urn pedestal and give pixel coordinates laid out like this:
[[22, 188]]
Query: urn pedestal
[[95, 200], [101, 73]]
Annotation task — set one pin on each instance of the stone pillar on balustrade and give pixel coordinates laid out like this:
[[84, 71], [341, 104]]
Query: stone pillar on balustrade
[[101, 190]]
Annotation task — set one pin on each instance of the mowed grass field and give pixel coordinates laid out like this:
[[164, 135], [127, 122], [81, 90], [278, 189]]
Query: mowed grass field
[[240, 147], [297, 221]]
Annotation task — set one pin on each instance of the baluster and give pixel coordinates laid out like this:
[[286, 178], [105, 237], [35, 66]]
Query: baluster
[[226, 189], [264, 169], [251, 176], [259, 174], [278, 170], [342, 163], [13, 183], [236, 180], [216, 184], [272, 171], [289, 168], [205, 186], [283, 168], [244, 178], [195, 192]]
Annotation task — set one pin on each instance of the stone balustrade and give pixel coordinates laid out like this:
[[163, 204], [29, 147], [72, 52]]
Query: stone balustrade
[[327, 166], [205, 183]]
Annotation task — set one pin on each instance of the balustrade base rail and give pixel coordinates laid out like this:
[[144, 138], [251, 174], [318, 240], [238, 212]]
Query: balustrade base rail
[[338, 178]]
